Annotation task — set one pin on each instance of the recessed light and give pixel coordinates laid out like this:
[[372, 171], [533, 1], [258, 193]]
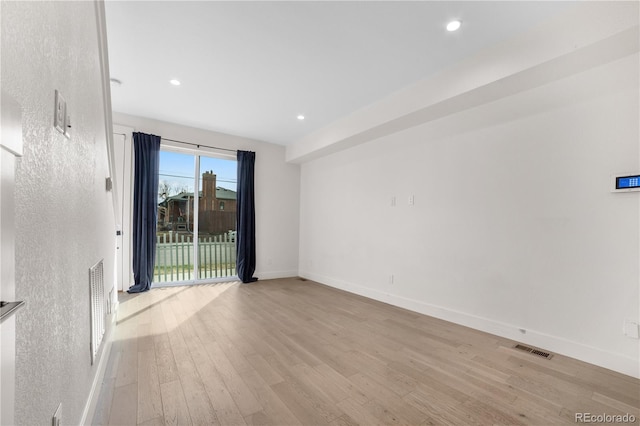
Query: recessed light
[[453, 25], [300, 117], [175, 82]]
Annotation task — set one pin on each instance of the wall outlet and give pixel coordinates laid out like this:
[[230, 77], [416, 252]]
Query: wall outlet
[[67, 125], [109, 302], [412, 200], [57, 416], [60, 113], [630, 329]]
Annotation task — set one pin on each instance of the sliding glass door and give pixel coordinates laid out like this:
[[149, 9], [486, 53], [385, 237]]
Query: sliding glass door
[[196, 234]]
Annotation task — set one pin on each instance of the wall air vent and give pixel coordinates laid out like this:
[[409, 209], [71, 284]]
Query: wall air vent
[[533, 351], [97, 307]]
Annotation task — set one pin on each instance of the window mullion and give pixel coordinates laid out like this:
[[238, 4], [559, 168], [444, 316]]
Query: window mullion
[[196, 220]]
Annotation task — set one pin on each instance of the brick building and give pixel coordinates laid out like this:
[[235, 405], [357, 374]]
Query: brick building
[[217, 209]]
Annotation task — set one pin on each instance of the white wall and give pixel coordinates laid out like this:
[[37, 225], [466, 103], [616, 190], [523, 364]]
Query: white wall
[[513, 227], [277, 189], [64, 216]]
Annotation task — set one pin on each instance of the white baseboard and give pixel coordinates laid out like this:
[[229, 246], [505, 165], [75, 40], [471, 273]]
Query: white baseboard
[[272, 275], [94, 392], [592, 355]]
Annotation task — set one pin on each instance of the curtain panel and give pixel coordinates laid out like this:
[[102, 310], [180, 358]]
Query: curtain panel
[[246, 218], [145, 209]]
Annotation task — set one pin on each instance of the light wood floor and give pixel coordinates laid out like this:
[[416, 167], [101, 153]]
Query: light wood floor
[[289, 352]]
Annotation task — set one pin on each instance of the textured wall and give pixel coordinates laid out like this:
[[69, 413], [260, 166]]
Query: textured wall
[[64, 216]]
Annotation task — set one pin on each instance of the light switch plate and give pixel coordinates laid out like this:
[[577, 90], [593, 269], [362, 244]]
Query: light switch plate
[[60, 113]]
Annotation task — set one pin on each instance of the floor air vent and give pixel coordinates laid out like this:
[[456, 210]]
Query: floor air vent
[[533, 351]]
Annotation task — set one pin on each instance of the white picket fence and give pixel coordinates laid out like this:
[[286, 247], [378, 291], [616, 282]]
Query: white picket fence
[[175, 257]]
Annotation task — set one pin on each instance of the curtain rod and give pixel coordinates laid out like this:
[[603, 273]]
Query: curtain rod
[[198, 145], [188, 143]]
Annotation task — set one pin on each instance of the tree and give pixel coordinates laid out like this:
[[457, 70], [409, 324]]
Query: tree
[[165, 190]]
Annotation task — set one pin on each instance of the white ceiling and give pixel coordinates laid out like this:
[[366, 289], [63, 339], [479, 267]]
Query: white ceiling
[[249, 68]]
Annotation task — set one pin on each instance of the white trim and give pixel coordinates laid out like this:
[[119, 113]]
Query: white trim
[[125, 277], [92, 398], [11, 147], [94, 393], [613, 361], [103, 52], [272, 275]]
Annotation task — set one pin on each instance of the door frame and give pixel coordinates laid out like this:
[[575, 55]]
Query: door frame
[[197, 153], [123, 157]]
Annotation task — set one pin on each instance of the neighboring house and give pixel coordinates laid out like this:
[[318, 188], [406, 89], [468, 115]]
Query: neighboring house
[[217, 209], [226, 199]]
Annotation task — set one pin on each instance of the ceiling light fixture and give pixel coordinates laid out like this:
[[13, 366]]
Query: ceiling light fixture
[[175, 82], [454, 25], [300, 117]]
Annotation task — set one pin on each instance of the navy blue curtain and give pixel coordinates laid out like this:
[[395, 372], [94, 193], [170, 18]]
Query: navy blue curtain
[[246, 218], [145, 209]]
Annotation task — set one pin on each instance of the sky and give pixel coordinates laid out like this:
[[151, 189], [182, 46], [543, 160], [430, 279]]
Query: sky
[[177, 170]]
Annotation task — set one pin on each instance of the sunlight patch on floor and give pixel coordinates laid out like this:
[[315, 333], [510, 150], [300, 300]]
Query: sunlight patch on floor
[[141, 305]]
